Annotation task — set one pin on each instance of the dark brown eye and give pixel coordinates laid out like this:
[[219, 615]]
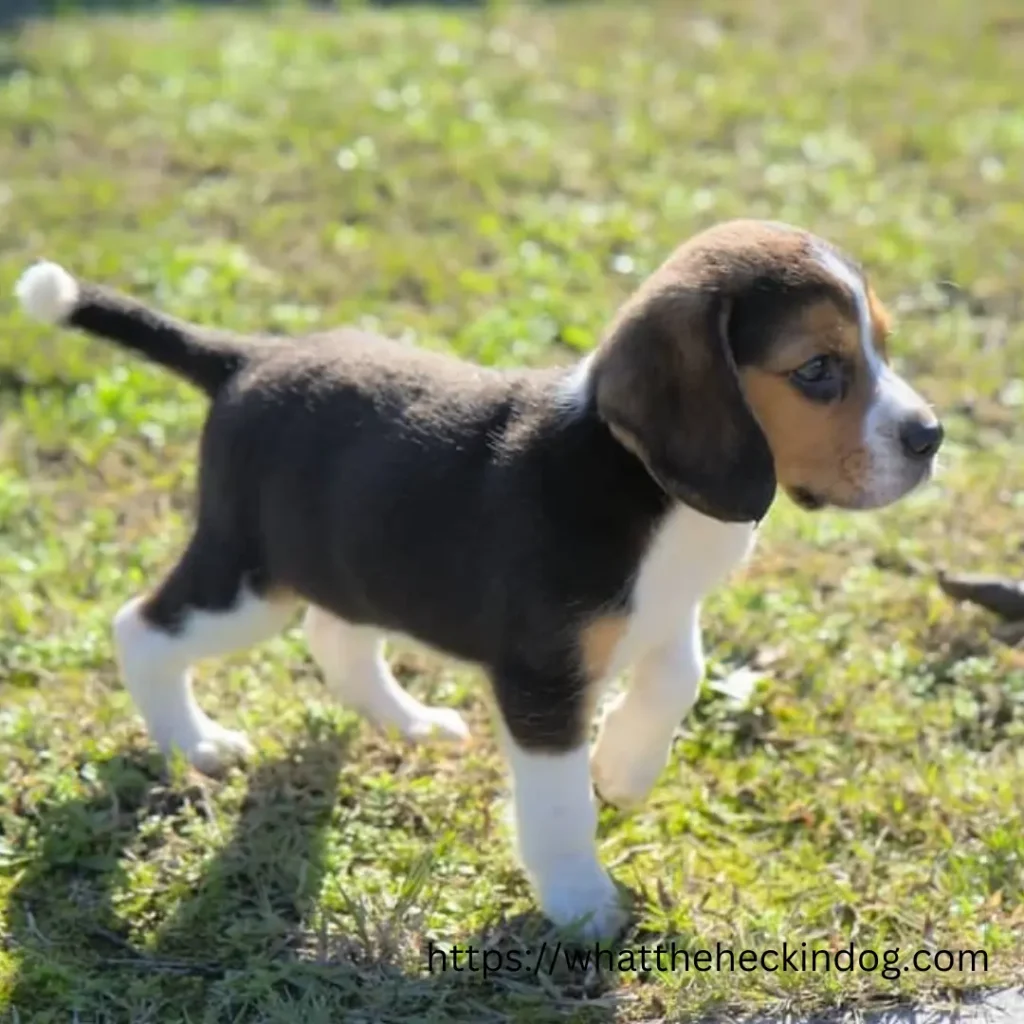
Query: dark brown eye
[[820, 378]]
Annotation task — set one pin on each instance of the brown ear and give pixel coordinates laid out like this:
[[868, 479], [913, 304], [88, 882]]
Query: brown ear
[[666, 385]]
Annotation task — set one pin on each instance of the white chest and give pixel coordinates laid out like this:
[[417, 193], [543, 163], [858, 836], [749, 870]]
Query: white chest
[[690, 556]]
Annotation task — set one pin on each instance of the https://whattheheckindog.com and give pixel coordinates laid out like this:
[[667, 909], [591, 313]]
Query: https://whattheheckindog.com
[[549, 957]]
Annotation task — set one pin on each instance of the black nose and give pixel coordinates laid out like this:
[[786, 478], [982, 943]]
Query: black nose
[[921, 440]]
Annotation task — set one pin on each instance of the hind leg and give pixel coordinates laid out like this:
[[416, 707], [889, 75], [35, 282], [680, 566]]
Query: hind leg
[[206, 608], [351, 659]]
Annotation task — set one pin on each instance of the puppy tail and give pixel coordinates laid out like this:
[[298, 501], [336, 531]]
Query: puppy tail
[[208, 359]]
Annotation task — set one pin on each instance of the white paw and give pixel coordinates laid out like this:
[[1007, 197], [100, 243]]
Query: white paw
[[436, 724], [584, 900], [624, 773], [625, 784], [214, 750]]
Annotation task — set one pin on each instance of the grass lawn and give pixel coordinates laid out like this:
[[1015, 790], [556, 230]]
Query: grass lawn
[[494, 183]]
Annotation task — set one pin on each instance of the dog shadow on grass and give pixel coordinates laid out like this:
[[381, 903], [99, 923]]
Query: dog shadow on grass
[[245, 942], [62, 903], [68, 923]]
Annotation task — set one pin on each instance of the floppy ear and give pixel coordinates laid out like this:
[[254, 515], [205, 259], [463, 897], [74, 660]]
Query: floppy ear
[[666, 385]]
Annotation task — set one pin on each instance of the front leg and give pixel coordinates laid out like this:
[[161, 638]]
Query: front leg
[[635, 735], [543, 734]]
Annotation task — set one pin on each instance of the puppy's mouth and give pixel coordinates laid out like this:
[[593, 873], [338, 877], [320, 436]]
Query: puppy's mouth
[[864, 501], [806, 499]]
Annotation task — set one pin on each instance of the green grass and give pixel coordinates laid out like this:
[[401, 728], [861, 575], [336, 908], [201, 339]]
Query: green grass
[[494, 183]]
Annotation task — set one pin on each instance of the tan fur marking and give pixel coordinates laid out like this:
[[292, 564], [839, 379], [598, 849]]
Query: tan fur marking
[[881, 324], [816, 446], [821, 329], [598, 641]]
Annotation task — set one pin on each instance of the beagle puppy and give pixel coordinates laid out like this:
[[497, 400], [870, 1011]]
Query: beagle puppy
[[552, 526]]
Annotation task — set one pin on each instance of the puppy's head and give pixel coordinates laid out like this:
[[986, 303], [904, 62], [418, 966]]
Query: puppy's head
[[756, 357]]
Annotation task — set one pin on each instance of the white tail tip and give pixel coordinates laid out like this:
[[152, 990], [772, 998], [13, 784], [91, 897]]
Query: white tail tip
[[47, 292]]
